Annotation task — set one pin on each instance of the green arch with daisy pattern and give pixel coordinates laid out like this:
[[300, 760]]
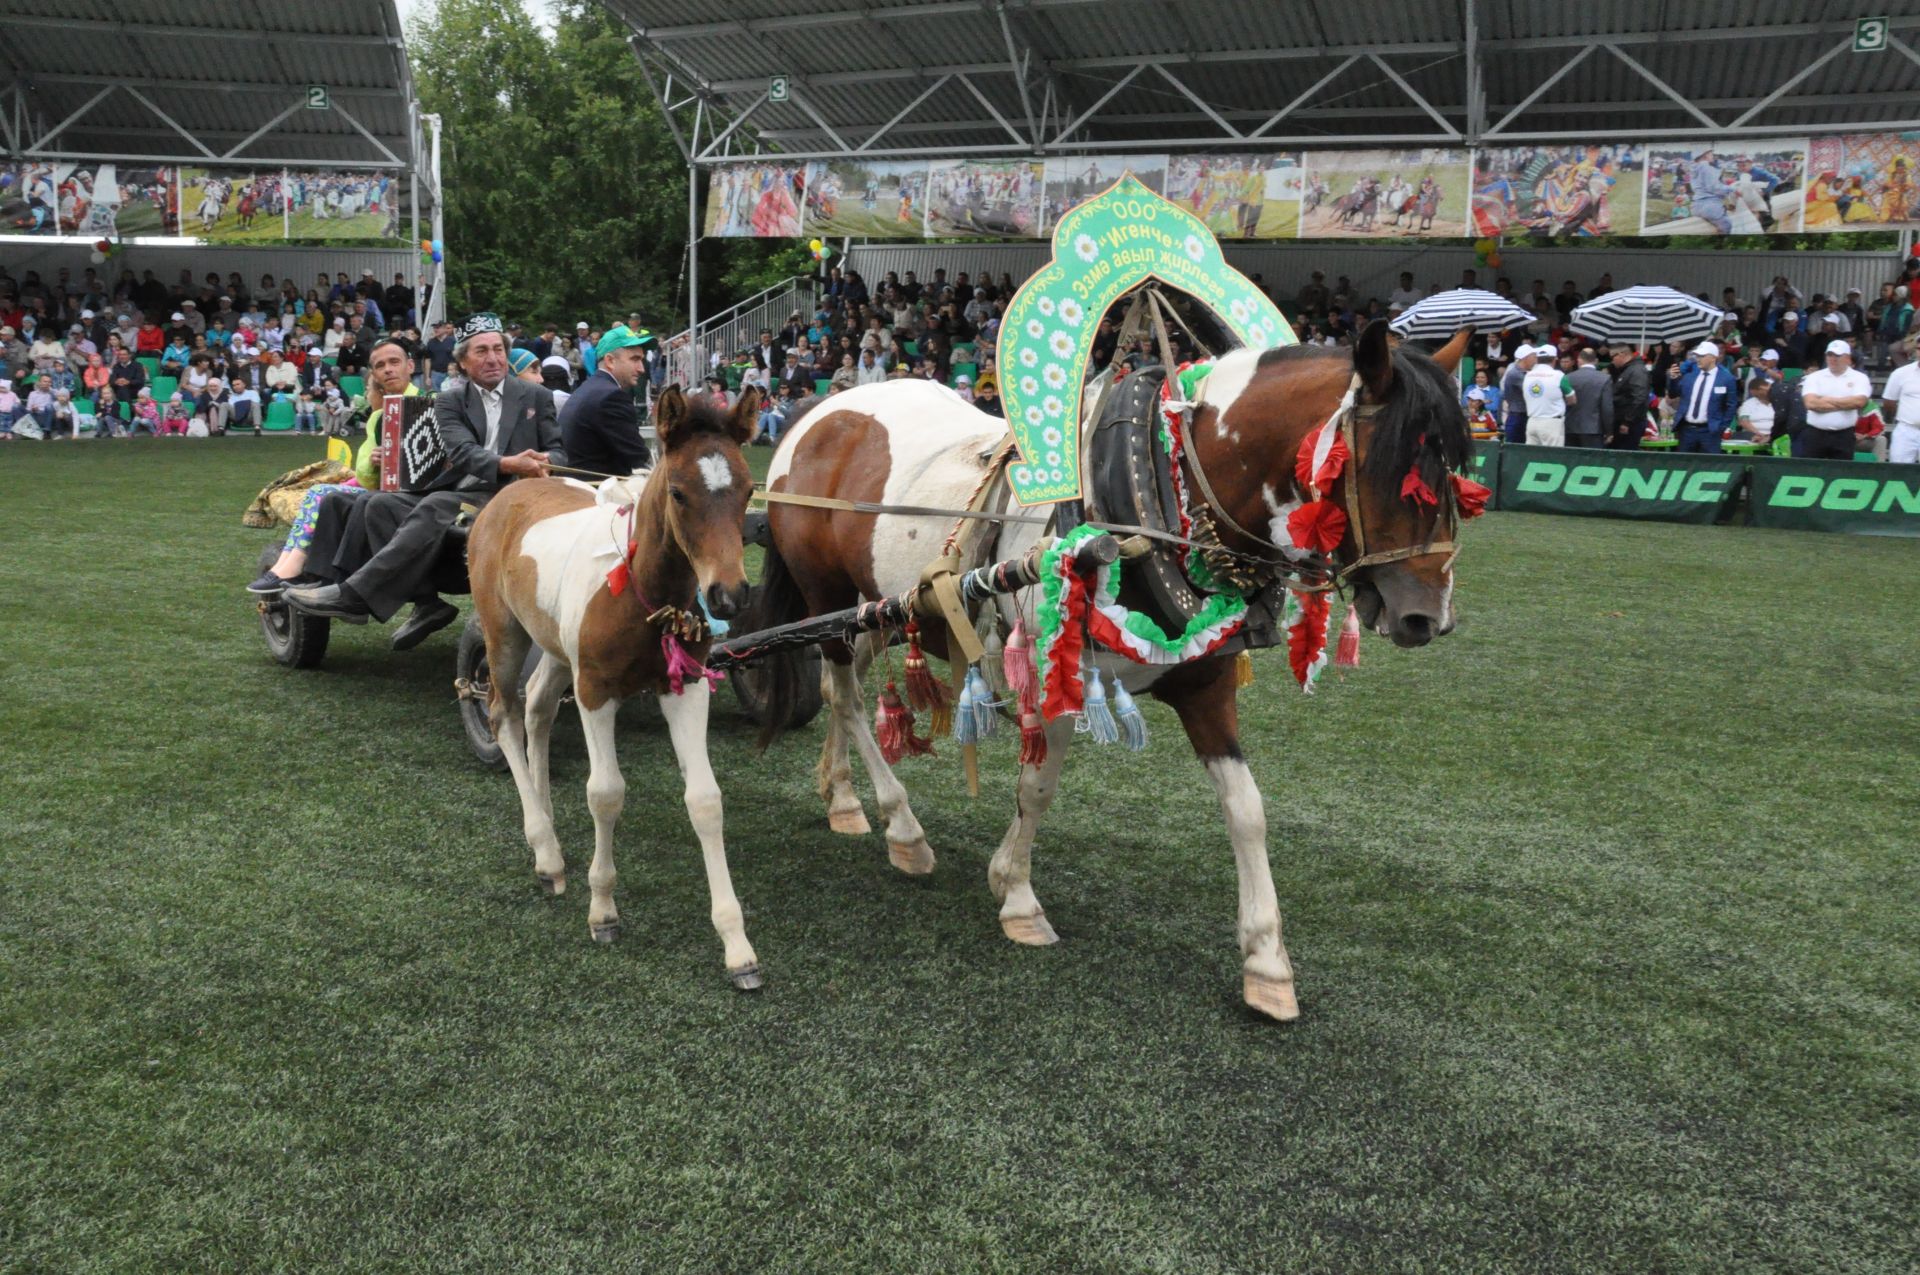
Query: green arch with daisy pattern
[[1113, 242]]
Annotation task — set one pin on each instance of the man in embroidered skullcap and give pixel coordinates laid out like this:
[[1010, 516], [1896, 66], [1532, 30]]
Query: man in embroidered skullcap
[[491, 430]]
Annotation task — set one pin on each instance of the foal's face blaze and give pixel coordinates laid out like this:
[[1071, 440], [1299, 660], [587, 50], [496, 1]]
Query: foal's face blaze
[[707, 491], [708, 486]]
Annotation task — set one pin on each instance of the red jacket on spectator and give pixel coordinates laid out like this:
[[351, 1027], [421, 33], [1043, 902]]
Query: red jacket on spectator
[[150, 340]]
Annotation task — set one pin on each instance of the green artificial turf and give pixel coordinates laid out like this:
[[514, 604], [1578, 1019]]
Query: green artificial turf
[[1602, 910]]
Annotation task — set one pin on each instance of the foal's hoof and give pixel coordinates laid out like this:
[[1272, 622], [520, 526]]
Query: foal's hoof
[[1272, 997], [849, 823], [913, 858], [1029, 931], [551, 882], [747, 979], [607, 932]]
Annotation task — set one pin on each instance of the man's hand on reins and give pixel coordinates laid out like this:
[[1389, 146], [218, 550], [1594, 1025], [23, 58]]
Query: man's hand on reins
[[527, 464]]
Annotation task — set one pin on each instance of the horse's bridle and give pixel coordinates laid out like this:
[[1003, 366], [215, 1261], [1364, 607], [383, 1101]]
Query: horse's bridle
[[1329, 574]]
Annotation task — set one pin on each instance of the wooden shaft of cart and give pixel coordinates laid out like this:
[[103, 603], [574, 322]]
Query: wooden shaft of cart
[[1010, 576]]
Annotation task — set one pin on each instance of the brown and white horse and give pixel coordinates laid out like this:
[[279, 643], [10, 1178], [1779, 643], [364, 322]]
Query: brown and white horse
[[915, 443], [540, 557]]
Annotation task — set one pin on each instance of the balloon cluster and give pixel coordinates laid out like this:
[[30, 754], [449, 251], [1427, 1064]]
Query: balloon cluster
[[1487, 252], [433, 248], [820, 249], [102, 249]]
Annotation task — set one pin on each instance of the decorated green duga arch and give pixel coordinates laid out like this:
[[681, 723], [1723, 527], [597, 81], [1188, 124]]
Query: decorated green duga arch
[[1102, 248]]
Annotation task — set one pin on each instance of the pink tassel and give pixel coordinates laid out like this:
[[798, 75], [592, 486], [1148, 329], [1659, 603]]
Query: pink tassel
[[893, 728], [1016, 661], [1033, 734], [681, 666], [1347, 655]]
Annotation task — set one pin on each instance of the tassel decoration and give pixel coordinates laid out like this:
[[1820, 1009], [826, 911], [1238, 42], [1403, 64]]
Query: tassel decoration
[[985, 719], [1347, 655], [893, 728], [1243, 670], [923, 691], [1133, 727], [1033, 739], [1016, 662], [1095, 716], [966, 728]]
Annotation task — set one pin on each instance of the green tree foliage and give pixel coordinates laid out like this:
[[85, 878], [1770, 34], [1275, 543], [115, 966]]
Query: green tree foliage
[[566, 197]]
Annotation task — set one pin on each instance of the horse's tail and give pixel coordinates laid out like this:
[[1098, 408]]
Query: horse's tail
[[776, 600]]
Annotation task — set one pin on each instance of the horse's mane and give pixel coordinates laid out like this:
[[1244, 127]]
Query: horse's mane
[[704, 416], [1421, 423]]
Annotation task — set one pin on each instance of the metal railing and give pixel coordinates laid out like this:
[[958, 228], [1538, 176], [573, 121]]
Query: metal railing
[[689, 352]]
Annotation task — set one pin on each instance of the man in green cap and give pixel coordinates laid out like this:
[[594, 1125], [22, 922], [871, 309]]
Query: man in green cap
[[600, 425]]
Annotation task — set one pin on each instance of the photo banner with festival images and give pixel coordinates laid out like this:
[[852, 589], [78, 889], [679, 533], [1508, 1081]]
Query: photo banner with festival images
[[1845, 182], [1557, 192], [93, 200]]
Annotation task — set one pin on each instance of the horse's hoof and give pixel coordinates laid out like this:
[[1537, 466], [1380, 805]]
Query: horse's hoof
[[748, 979], [1272, 997], [915, 859], [1029, 931], [552, 882], [606, 933], [849, 823]]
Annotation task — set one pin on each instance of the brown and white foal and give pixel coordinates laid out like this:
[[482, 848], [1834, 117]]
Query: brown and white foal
[[610, 594]]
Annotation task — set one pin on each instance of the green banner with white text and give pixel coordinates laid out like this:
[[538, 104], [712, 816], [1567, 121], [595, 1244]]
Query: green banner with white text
[[1619, 484], [1836, 495]]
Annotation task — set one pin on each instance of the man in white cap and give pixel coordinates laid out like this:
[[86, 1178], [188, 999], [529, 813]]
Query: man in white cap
[[585, 341], [1548, 396], [1511, 394], [1791, 341], [1833, 396], [1902, 397], [1706, 399]]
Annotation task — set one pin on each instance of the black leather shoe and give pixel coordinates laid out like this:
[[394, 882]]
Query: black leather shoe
[[334, 601], [268, 585], [427, 619]]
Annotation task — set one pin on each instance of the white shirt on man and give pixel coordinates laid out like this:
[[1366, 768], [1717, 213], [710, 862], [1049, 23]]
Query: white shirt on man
[[1402, 299], [1848, 384], [1903, 392]]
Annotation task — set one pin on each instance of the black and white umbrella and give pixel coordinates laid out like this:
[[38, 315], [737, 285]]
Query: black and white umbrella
[[1438, 317], [1646, 314]]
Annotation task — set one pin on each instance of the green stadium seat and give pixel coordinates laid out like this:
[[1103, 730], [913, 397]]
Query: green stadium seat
[[912, 348], [969, 370], [150, 363], [963, 350], [163, 387], [279, 417], [352, 387], [821, 384]]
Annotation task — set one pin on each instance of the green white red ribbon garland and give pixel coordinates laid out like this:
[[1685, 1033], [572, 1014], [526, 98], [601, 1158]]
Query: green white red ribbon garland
[[1072, 606]]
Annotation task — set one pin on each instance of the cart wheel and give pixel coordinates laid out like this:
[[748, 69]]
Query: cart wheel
[[806, 705], [293, 639], [472, 682]]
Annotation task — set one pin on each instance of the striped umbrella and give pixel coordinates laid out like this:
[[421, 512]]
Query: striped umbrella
[[1646, 314], [1438, 317]]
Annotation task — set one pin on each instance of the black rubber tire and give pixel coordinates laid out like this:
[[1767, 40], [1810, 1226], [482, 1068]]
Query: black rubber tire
[[294, 640], [470, 665], [806, 705]]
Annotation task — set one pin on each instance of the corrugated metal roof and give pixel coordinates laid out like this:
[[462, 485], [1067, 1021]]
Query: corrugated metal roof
[[858, 63], [219, 68]]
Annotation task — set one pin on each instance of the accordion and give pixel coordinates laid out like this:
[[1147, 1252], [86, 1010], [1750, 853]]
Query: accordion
[[413, 452]]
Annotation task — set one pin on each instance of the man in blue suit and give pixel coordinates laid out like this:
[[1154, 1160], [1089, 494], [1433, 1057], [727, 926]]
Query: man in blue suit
[[600, 418], [1706, 398]]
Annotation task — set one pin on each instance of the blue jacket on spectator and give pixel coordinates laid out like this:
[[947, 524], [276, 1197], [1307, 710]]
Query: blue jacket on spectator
[[1723, 400]]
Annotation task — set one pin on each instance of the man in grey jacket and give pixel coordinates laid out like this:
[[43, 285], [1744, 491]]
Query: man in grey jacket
[[1629, 408], [496, 428], [1590, 419]]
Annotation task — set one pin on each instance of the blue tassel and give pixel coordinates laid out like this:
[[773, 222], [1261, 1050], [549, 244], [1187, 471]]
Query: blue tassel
[[1132, 724], [984, 718], [965, 729], [1095, 714]]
